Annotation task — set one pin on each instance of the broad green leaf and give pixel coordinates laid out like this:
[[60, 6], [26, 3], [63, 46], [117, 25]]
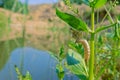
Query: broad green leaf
[[74, 22], [100, 3], [104, 28], [71, 60], [77, 65], [82, 77]]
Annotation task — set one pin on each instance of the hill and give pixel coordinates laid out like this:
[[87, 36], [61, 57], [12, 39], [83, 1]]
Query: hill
[[43, 29]]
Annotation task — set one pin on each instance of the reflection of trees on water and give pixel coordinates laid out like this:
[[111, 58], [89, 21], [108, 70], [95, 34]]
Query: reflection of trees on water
[[6, 47]]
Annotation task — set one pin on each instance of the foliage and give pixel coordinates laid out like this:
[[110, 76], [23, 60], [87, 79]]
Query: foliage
[[86, 1], [60, 71], [74, 22], [15, 5], [59, 67], [21, 77], [3, 24], [105, 48], [77, 65]]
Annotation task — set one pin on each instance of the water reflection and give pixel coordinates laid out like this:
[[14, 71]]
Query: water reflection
[[39, 63], [5, 49]]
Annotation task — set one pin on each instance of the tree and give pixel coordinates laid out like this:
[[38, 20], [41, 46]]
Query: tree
[[14, 5]]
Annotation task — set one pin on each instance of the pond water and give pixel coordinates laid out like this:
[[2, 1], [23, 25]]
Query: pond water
[[39, 63]]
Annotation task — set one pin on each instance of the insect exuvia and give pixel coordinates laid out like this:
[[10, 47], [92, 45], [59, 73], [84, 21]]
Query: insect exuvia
[[86, 48], [78, 37]]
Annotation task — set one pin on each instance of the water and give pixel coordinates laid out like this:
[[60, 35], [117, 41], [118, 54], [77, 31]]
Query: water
[[39, 63]]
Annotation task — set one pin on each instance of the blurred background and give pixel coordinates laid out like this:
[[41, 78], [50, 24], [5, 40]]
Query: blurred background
[[29, 29], [35, 21], [34, 24]]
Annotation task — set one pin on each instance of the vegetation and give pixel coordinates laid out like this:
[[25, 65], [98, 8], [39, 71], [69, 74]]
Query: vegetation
[[59, 67], [93, 52], [3, 24], [14, 5], [20, 76], [80, 1], [90, 70]]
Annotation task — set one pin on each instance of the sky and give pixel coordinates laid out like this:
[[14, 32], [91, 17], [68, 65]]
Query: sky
[[39, 1]]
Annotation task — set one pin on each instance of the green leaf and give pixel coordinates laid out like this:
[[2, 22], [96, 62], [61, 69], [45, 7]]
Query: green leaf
[[104, 28], [61, 51], [60, 71], [116, 32], [28, 76], [74, 22], [20, 76], [82, 77], [100, 39], [77, 47], [61, 54], [100, 3], [77, 65], [71, 60]]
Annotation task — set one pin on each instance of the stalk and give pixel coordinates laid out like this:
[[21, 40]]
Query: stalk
[[91, 63], [61, 79]]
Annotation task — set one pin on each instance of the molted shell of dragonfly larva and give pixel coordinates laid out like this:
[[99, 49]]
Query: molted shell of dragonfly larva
[[86, 48]]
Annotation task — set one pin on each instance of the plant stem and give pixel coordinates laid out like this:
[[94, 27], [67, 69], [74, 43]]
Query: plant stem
[[61, 79], [91, 63]]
